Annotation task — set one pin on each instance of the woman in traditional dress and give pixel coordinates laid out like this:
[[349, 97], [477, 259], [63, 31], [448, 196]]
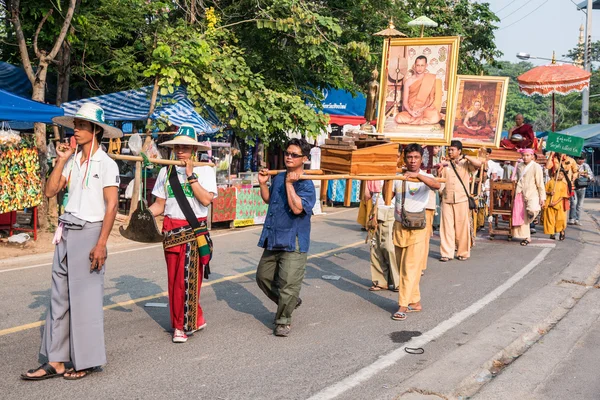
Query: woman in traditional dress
[[475, 122], [555, 217], [530, 195], [184, 194]]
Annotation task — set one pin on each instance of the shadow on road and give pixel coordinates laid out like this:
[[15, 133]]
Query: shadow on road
[[134, 287], [240, 299]]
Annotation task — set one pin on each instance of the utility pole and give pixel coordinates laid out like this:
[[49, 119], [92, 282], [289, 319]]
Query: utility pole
[[585, 95]]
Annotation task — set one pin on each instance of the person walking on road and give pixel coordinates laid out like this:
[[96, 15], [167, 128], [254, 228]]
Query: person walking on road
[[74, 329], [410, 240], [530, 195], [455, 231], [285, 236], [583, 178], [555, 217], [183, 194]]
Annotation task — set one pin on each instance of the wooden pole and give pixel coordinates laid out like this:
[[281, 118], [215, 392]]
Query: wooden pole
[[158, 161]]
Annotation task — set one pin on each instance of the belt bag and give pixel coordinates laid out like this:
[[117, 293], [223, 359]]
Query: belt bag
[[472, 202], [412, 220]]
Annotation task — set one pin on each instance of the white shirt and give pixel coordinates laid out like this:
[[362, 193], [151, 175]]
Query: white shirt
[[86, 199], [417, 196], [206, 179], [495, 168]]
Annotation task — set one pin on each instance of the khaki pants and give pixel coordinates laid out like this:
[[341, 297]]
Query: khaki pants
[[430, 214], [383, 255], [410, 252], [455, 230]]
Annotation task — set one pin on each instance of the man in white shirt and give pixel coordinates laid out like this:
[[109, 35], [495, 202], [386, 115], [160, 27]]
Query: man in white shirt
[[411, 244], [74, 329]]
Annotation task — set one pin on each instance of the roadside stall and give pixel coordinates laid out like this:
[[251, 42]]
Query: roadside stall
[[20, 180]]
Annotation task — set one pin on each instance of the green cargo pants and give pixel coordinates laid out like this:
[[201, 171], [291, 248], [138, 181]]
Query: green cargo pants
[[279, 275]]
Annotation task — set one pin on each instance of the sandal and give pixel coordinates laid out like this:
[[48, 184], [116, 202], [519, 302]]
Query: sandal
[[74, 375], [399, 316], [50, 372], [444, 259], [375, 288], [562, 236], [461, 258], [553, 237], [410, 309], [525, 242]]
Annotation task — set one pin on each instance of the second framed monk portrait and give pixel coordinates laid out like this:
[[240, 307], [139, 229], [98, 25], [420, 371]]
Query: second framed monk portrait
[[418, 79], [479, 110]]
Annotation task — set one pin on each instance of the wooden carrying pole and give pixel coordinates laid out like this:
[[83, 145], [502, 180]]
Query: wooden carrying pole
[[158, 161], [318, 177]]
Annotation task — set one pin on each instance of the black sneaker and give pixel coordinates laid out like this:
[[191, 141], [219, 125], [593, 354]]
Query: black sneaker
[[282, 330]]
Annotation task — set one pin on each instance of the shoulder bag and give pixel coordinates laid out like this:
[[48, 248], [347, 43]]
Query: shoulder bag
[[200, 231], [472, 202], [412, 220]]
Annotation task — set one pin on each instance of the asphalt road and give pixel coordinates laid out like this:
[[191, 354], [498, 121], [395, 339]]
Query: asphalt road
[[341, 329]]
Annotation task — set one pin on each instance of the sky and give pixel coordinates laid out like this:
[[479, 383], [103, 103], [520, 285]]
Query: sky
[[538, 27]]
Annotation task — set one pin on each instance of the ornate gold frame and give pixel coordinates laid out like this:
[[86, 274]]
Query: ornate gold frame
[[503, 80], [452, 66]]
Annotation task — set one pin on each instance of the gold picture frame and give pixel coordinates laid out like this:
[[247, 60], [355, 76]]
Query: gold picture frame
[[481, 100], [418, 115]]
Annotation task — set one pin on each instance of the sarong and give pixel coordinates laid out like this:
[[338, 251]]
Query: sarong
[[187, 258]]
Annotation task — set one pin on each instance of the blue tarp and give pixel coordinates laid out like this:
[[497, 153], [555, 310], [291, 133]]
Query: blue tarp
[[16, 108], [134, 105], [341, 102], [14, 80]]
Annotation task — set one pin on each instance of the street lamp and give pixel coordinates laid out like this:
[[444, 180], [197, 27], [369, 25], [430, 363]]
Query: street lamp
[[527, 56]]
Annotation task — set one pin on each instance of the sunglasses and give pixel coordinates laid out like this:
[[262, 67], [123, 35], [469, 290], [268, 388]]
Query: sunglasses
[[293, 155]]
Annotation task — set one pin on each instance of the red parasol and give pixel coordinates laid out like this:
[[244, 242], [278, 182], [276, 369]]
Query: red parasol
[[554, 78]]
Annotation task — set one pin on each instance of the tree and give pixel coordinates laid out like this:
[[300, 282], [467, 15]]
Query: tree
[[28, 49]]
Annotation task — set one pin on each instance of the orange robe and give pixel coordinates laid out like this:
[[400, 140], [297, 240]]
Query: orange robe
[[421, 95]]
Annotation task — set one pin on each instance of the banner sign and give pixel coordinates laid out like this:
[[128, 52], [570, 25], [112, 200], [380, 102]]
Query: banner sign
[[565, 144]]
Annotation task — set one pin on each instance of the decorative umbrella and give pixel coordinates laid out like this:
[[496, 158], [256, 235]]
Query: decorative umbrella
[[422, 21], [554, 79]]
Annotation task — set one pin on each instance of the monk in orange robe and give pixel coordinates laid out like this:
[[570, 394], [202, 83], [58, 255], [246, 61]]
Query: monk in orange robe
[[418, 97]]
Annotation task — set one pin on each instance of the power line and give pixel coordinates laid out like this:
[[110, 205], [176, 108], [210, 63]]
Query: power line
[[496, 12], [527, 15], [525, 4]]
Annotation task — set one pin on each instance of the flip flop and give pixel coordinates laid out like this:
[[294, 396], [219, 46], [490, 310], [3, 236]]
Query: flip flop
[[525, 242], [375, 288], [86, 372], [461, 258], [562, 236], [410, 309], [399, 316], [50, 373], [444, 259]]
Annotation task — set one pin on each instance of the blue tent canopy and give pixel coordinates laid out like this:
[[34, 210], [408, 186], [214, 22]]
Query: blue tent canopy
[[16, 108], [134, 105], [14, 80]]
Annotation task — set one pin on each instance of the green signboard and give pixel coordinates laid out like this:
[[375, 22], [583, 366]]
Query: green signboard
[[566, 144]]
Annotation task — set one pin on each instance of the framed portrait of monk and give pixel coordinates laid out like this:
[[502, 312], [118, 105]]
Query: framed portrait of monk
[[417, 84], [479, 110]]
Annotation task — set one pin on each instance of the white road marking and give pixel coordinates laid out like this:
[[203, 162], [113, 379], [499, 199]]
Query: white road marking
[[392, 358], [233, 232]]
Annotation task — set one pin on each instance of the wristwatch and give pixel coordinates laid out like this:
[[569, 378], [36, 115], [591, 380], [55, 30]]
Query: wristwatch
[[192, 177]]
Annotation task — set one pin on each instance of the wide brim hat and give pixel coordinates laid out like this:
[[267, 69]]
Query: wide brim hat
[[186, 135], [93, 113]]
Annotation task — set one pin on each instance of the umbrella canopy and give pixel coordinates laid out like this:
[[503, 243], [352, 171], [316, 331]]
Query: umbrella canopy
[[554, 78], [390, 31], [422, 21]]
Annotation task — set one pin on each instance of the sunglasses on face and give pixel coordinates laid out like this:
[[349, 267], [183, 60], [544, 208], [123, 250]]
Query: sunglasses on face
[[293, 155]]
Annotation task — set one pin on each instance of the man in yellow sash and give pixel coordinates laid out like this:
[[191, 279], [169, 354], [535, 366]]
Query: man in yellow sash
[[418, 97]]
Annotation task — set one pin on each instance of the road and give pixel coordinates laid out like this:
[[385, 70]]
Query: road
[[343, 343]]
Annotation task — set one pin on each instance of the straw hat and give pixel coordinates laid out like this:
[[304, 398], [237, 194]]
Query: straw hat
[[186, 135], [93, 113]]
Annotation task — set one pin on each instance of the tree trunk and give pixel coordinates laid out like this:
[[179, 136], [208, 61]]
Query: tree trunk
[[39, 94]]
